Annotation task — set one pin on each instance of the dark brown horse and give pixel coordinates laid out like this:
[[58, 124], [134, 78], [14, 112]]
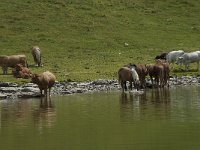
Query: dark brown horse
[[128, 74], [162, 56], [166, 70], [156, 71], [142, 73]]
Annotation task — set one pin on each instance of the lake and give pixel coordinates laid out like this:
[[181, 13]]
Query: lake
[[158, 119]]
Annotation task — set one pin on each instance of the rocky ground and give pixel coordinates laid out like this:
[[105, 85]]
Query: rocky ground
[[13, 91]]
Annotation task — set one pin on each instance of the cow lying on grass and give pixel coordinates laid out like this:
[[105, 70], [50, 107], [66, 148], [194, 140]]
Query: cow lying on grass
[[21, 72], [12, 61], [44, 81]]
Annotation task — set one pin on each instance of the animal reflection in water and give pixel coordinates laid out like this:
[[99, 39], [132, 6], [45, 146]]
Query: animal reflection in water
[[141, 106], [45, 115]]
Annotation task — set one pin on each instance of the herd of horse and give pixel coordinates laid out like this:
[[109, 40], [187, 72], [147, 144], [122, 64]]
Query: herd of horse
[[159, 73]]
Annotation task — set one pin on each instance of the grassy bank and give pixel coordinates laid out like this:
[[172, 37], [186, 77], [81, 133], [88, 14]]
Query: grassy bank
[[85, 40]]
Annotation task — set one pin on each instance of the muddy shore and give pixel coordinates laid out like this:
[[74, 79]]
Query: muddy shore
[[13, 91]]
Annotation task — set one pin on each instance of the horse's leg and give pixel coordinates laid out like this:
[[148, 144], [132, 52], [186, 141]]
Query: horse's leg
[[125, 87], [156, 82], [197, 65], [122, 85], [131, 85], [152, 81], [49, 92], [45, 92], [5, 70], [41, 92], [142, 83], [186, 67]]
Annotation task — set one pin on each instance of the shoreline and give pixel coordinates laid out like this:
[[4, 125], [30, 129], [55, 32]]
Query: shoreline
[[10, 90]]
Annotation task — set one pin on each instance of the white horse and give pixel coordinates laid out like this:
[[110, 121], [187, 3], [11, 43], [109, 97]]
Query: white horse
[[135, 77]]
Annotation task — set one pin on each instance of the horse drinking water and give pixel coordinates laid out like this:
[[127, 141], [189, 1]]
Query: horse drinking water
[[128, 74]]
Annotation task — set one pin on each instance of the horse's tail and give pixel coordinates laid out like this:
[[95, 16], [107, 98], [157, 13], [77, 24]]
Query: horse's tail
[[119, 76]]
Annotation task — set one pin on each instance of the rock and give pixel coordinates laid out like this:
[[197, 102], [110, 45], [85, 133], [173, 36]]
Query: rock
[[8, 84], [2, 96], [29, 94], [13, 91], [30, 89], [8, 89]]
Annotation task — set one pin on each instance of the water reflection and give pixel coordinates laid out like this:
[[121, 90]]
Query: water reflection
[[26, 112], [14, 112], [152, 103], [160, 95], [45, 115]]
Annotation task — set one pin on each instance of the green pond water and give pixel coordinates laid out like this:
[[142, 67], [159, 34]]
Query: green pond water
[[158, 119]]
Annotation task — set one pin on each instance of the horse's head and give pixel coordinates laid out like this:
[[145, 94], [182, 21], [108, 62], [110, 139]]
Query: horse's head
[[132, 65]]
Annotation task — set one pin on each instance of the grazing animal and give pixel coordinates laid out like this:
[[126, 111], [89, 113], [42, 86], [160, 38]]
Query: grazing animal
[[128, 74], [21, 72], [36, 55], [44, 81], [156, 71], [188, 58], [173, 56], [12, 61], [161, 56]]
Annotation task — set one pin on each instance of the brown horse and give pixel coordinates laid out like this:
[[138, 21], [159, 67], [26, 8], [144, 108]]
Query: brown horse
[[142, 73], [156, 71], [128, 74], [166, 70]]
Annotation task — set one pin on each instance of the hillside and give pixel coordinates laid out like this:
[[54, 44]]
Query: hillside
[[91, 39]]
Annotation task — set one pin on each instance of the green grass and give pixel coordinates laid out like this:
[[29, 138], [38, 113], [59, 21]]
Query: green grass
[[84, 40]]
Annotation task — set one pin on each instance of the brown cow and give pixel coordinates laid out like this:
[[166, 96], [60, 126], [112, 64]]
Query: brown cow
[[36, 55], [21, 72], [44, 81], [156, 71], [12, 61]]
